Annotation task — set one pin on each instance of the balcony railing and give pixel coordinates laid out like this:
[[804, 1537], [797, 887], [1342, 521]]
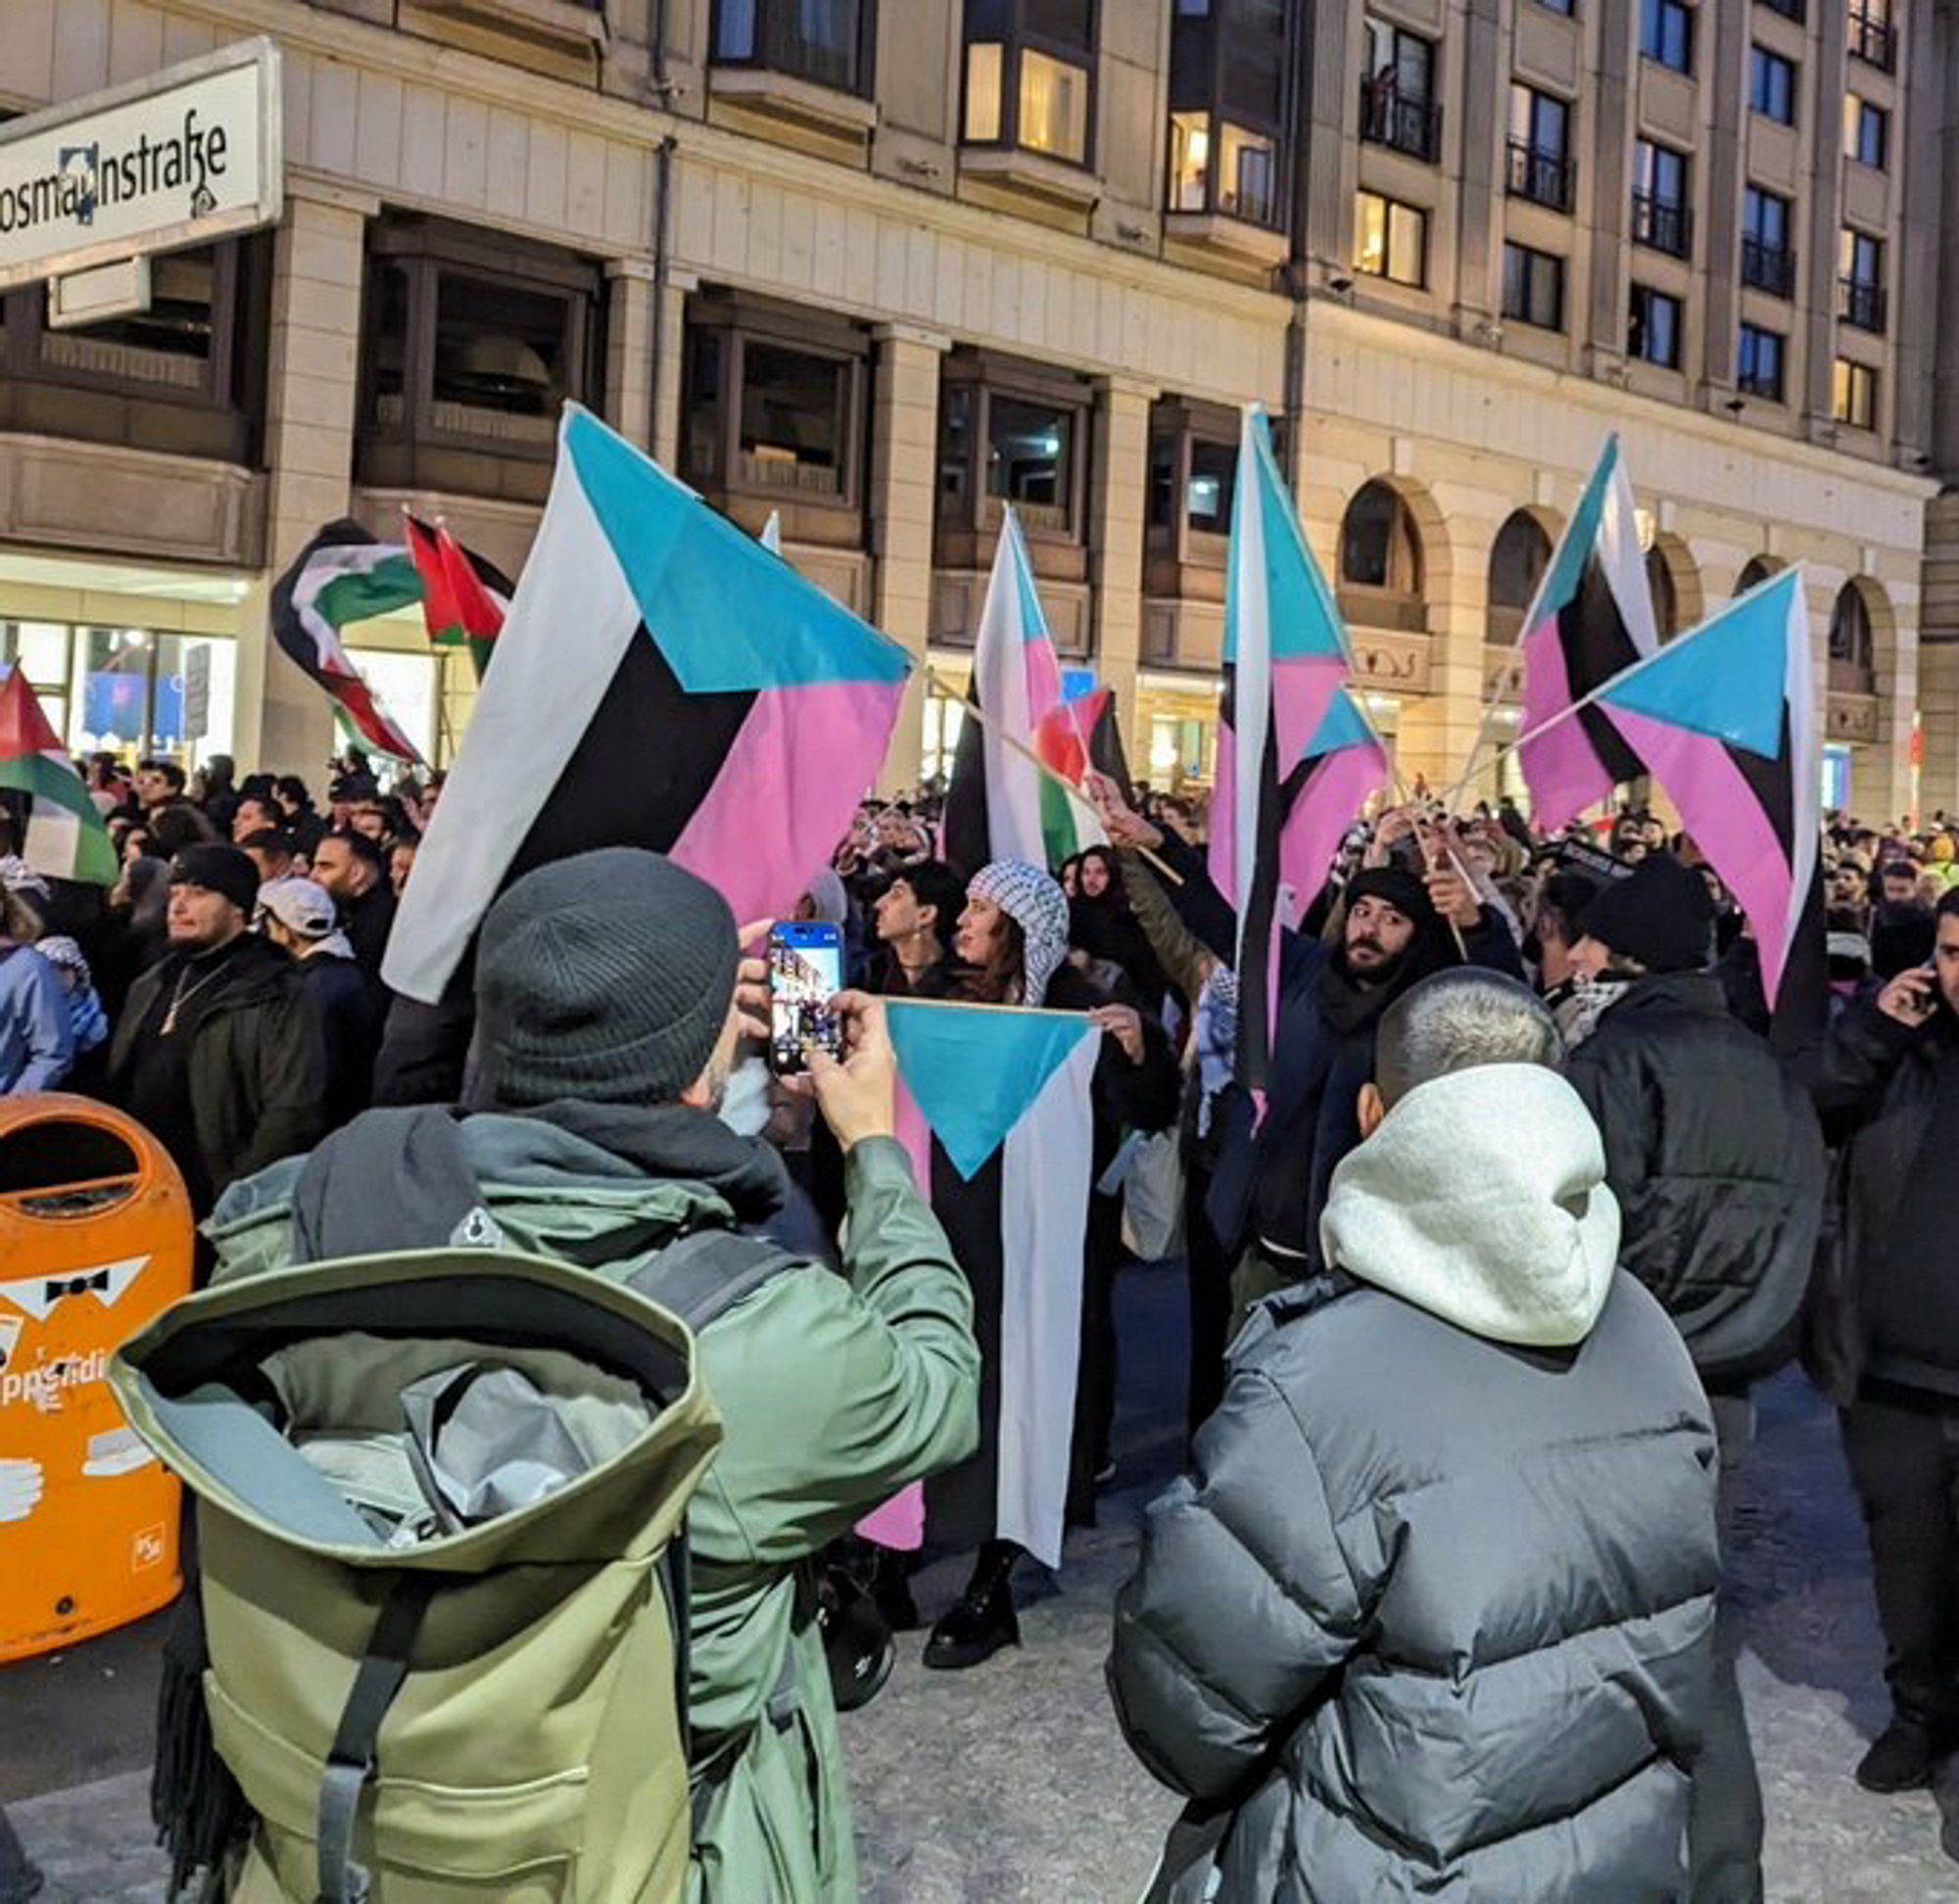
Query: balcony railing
[[1768, 268], [1543, 177], [1863, 304], [1662, 224], [1390, 118], [1873, 39]]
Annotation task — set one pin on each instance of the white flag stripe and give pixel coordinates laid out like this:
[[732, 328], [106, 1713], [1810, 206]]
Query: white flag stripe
[[1001, 678], [1624, 565]]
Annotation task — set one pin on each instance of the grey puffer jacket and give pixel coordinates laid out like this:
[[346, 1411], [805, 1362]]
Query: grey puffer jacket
[[1433, 1616]]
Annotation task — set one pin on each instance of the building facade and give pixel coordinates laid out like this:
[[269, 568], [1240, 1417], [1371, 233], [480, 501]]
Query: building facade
[[885, 269]]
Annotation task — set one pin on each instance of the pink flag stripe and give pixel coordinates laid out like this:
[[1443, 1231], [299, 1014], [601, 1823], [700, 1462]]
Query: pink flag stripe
[[1338, 787], [1719, 808], [786, 792], [1303, 690], [1223, 858], [1561, 769]]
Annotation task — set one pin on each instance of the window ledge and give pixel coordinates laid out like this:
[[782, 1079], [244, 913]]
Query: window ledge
[[1233, 237], [801, 100], [1031, 171], [558, 19]]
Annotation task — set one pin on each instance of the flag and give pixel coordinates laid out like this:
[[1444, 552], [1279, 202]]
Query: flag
[[1725, 719], [999, 804], [343, 575], [1592, 616], [771, 537], [1345, 765], [1285, 654], [464, 598], [995, 1108], [66, 837], [661, 682]]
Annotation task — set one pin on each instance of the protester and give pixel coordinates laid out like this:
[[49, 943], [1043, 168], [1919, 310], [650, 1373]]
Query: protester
[[607, 1019], [349, 866], [269, 852], [912, 921], [255, 813], [1888, 1085], [216, 1053], [160, 783], [1012, 939], [214, 793], [298, 917], [402, 862], [87, 1022], [36, 1041], [1102, 928], [1432, 1616], [1715, 1157], [297, 815]]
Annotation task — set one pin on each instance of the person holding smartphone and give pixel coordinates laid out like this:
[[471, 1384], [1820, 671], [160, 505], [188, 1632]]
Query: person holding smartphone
[[1887, 1085]]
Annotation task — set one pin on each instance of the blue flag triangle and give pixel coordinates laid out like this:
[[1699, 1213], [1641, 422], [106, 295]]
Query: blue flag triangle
[[1727, 679], [1344, 726], [975, 1072]]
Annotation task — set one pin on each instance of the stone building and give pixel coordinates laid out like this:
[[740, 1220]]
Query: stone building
[[883, 267]]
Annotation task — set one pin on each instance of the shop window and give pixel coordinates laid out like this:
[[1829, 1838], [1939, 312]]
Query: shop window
[[473, 344], [1390, 240], [1030, 76], [130, 691], [828, 42], [1533, 287], [1028, 459], [1228, 93], [1518, 558], [1381, 561], [1852, 649]]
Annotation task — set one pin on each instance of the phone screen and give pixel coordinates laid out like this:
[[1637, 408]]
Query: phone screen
[[805, 972]]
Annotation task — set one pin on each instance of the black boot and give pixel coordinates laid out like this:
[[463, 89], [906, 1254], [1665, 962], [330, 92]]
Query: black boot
[[1904, 1756], [891, 1588], [985, 1620]]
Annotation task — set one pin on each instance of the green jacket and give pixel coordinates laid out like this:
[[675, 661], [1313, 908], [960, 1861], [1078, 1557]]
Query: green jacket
[[835, 1390]]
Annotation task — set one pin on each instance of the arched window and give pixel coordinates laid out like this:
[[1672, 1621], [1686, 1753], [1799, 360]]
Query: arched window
[[1518, 558], [1758, 571], [1853, 662], [1666, 597], [1380, 561]]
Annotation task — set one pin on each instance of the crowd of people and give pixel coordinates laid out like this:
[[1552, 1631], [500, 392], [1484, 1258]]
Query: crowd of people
[[1478, 1290]]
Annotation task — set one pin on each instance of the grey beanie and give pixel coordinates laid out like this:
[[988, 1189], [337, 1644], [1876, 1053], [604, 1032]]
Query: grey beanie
[[605, 978]]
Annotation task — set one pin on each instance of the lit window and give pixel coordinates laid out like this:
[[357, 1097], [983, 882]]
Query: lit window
[[1390, 240], [1866, 132], [1854, 395]]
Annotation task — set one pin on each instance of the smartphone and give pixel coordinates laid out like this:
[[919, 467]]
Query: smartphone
[[805, 972]]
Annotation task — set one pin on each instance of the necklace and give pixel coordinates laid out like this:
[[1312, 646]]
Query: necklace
[[183, 998]]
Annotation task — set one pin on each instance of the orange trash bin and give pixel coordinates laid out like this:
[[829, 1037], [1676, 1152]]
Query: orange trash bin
[[95, 1240]]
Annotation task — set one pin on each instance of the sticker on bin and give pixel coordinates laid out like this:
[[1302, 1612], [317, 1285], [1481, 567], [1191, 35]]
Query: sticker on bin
[[106, 1282], [147, 1548]]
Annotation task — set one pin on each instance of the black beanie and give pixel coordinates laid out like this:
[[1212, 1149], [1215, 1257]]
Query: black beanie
[[1662, 917], [1401, 889], [607, 978], [220, 869]]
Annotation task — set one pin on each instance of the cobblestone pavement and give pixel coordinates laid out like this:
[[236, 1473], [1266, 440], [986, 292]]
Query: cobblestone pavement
[[1011, 1782]]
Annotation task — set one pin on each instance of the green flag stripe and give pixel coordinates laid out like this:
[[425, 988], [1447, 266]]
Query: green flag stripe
[[360, 595], [1057, 820]]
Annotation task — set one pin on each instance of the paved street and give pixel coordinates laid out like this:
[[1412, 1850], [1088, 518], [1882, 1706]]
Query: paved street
[[1011, 1783]]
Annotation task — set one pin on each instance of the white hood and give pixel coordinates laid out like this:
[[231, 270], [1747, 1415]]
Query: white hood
[[1482, 1198]]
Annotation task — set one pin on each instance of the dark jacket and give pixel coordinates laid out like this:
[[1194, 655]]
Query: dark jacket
[[349, 1017], [1716, 1157], [1884, 1312], [1433, 1616], [256, 1065], [367, 923]]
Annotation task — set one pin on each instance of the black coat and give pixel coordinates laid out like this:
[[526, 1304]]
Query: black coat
[[349, 1017], [1892, 1314], [1716, 1157]]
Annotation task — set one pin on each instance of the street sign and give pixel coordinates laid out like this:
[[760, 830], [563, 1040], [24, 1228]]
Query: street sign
[[185, 156]]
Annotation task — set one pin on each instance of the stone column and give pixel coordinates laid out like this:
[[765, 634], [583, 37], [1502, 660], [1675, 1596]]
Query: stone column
[[284, 723], [900, 505], [629, 349], [1118, 496], [669, 358], [1938, 656]]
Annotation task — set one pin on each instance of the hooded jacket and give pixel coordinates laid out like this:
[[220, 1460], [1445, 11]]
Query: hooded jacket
[[835, 1392], [1433, 1615], [1716, 1157]]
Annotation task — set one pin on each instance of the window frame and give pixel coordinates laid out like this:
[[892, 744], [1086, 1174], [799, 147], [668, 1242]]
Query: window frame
[[1639, 324], [1767, 265], [1766, 62], [1533, 260], [1389, 207], [1858, 113], [984, 376], [1203, 93], [1014, 40], [1848, 377], [1655, 18], [767, 60], [1752, 384], [1657, 218], [1538, 172], [1408, 125], [1873, 34]]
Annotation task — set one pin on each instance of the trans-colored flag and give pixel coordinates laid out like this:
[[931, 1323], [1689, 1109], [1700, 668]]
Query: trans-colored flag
[[1345, 767], [1725, 719], [1593, 615], [771, 537], [662, 682], [999, 804], [464, 598], [1285, 656], [66, 837], [995, 1107]]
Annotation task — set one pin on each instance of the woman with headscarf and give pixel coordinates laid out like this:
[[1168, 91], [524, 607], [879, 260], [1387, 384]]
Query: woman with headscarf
[[1104, 930], [1012, 939]]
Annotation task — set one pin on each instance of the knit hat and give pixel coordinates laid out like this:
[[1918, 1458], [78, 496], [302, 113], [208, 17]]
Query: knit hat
[[219, 869], [605, 978], [1038, 907], [1662, 918], [1397, 889]]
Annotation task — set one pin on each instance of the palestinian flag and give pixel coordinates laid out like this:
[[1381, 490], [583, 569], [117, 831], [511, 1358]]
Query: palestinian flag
[[342, 577], [1725, 719], [995, 1108], [464, 598], [663, 682], [66, 837], [1285, 656], [999, 804], [1592, 616]]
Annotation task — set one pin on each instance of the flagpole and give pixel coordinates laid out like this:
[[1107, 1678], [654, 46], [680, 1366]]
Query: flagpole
[[974, 712]]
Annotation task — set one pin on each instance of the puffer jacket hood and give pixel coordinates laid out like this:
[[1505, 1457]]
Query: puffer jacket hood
[[1482, 1198]]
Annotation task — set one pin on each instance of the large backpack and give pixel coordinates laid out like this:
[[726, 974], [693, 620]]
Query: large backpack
[[500, 1709]]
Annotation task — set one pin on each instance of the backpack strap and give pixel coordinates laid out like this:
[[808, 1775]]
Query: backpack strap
[[352, 1761], [702, 1275]]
